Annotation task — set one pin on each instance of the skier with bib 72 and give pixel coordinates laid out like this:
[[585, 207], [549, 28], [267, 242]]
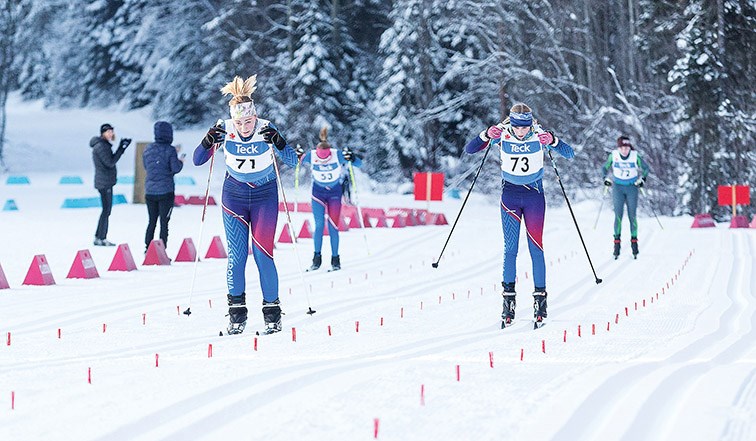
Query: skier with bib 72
[[628, 175]]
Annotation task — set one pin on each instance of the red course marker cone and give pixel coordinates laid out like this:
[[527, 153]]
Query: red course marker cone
[[399, 222], [382, 223], [83, 267], [3, 279], [306, 231], [122, 261], [343, 224], [39, 272], [216, 249], [156, 254], [441, 220], [285, 236], [187, 252]]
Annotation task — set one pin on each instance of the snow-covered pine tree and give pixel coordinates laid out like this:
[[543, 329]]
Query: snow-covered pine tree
[[174, 78], [421, 95], [87, 69], [12, 14], [316, 83], [711, 130]]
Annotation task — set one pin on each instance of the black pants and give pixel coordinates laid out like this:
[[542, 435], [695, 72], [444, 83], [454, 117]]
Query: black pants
[[106, 198], [158, 205]]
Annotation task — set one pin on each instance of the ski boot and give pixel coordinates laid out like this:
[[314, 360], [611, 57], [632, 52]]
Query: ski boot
[[616, 247], [335, 263], [272, 315], [508, 309], [634, 246], [317, 260], [539, 308], [237, 313]]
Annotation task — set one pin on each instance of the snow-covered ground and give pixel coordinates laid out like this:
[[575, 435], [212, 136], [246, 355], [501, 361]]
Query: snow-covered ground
[[672, 354]]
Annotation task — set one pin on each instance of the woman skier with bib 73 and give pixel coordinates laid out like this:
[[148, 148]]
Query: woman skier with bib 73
[[521, 143]]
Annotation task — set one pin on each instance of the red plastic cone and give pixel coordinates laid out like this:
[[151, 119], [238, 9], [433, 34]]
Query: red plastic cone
[[399, 222], [122, 261], [306, 231], [83, 267], [187, 252], [354, 221], [349, 210], [285, 236], [343, 224], [739, 222], [421, 216], [366, 220], [440, 219], [216, 249], [703, 220], [382, 223], [200, 200], [156, 254], [179, 200], [3, 279], [39, 272]]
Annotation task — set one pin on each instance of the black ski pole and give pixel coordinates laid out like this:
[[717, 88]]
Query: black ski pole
[[553, 164], [435, 264]]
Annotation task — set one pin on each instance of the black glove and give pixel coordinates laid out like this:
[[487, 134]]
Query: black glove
[[299, 151], [607, 182], [348, 154], [213, 136], [640, 181], [124, 143], [271, 136]]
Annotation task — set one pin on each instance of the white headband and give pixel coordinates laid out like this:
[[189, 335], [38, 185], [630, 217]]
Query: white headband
[[243, 110]]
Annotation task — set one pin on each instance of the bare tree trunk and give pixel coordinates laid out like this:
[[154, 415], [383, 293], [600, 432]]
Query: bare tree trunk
[[335, 11], [632, 68], [721, 54], [588, 48], [7, 36]]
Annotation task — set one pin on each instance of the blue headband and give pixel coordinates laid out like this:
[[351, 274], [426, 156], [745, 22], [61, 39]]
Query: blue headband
[[517, 119]]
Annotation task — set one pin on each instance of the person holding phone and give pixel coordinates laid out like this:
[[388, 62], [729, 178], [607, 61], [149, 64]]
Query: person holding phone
[[161, 163], [105, 177]]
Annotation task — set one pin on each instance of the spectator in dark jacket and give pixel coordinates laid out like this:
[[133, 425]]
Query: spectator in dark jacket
[[161, 162], [105, 176]]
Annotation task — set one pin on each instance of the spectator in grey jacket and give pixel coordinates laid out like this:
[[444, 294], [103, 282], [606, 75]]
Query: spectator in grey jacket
[[105, 176], [161, 162]]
